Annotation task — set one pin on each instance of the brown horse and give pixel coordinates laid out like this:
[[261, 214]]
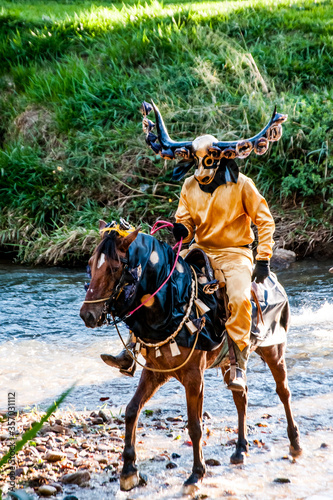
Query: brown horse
[[108, 266]]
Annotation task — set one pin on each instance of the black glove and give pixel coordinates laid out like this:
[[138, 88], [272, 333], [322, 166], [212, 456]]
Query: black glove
[[179, 231], [261, 271]]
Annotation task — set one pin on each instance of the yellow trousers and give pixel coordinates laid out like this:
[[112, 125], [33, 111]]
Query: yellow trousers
[[233, 266]]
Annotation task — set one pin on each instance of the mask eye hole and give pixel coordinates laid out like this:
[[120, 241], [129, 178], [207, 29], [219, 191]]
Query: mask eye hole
[[209, 162]]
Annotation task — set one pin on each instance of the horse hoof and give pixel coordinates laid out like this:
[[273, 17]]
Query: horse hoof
[[190, 489], [295, 452], [129, 481], [239, 457]]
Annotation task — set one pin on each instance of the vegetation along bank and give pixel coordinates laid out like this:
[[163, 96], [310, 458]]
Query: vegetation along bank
[[73, 76]]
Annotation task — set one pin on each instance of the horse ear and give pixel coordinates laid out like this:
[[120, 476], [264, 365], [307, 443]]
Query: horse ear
[[125, 242], [102, 224]]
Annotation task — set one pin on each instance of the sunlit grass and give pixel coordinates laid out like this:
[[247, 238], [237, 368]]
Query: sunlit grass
[[73, 76]]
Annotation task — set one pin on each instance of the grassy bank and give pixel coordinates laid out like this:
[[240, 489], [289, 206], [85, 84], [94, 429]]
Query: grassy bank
[[73, 76]]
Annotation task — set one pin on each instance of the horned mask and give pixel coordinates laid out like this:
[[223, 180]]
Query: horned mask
[[205, 152]]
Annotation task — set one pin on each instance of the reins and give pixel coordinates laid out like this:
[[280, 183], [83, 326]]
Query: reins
[[156, 227]]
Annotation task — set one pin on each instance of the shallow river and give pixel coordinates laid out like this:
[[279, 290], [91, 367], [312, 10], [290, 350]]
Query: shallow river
[[45, 347]]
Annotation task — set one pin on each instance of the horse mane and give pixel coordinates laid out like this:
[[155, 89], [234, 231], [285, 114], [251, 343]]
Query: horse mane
[[108, 246]]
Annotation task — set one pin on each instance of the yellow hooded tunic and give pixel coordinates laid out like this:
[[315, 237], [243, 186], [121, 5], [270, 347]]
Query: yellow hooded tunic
[[223, 219]]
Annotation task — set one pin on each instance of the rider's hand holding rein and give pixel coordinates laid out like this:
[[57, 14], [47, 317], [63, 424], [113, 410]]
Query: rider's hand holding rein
[[179, 231]]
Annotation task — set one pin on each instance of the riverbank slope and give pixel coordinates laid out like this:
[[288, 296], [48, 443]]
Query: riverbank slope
[[72, 79]]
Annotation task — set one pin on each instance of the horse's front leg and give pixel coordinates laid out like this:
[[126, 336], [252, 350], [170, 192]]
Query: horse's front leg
[[242, 445], [194, 386], [148, 385]]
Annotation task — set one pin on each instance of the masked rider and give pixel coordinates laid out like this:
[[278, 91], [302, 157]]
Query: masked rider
[[217, 206]]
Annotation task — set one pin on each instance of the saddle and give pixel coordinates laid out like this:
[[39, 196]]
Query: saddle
[[270, 310]]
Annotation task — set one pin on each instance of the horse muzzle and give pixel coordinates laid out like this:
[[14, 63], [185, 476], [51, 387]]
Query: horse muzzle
[[91, 316]]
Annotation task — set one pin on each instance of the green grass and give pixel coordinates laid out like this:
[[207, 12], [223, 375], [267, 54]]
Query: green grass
[[74, 74]]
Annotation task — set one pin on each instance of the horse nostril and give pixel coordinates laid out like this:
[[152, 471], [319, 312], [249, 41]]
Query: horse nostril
[[89, 318]]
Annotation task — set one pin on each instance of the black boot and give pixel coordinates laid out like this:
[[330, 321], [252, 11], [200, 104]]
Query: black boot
[[238, 383], [124, 362]]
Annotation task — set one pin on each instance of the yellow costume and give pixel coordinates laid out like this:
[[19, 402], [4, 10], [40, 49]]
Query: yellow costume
[[221, 225]]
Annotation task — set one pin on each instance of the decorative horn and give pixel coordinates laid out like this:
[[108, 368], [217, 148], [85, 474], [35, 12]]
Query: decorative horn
[[165, 147], [258, 143]]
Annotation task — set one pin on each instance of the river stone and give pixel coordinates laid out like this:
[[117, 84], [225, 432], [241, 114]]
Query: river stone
[[78, 478], [41, 448], [171, 465], [212, 462], [46, 490], [97, 421], [282, 480], [54, 456], [281, 258]]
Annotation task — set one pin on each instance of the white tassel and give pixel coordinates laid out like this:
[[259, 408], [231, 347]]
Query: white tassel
[[143, 351], [174, 348], [191, 327], [202, 308], [157, 352]]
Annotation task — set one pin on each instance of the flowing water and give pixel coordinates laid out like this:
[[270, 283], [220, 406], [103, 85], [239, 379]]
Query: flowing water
[[45, 347]]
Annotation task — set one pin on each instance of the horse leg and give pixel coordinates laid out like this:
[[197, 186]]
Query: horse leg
[[242, 445], [274, 356], [148, 385], [194, 387]]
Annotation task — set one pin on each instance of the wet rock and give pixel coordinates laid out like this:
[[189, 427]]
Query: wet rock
[[70, 497], [281, 258], [57, 486], [281, 480], [79, 478], [207, 415], [231, 442], [54, 456], [171, 465], [103, 447], [102, 415], [175, 455], [158, 458], [46, 490], [20, 471], [97, 421], [212, 462], [59, 429], [175, 419], [324, 445]]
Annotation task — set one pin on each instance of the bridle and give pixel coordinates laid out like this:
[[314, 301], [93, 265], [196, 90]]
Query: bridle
[[160, 224]]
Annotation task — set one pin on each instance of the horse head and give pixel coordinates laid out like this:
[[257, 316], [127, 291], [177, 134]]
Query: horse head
[[106, 264]]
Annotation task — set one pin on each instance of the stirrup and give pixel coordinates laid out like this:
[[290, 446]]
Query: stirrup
[[129, 372]]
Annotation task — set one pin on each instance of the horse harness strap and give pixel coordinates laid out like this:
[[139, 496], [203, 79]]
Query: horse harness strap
[[194, 292]]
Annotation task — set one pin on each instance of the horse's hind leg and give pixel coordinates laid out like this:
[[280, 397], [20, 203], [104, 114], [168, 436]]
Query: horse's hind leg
[[274, 356], [242, 445], [148, 385]]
